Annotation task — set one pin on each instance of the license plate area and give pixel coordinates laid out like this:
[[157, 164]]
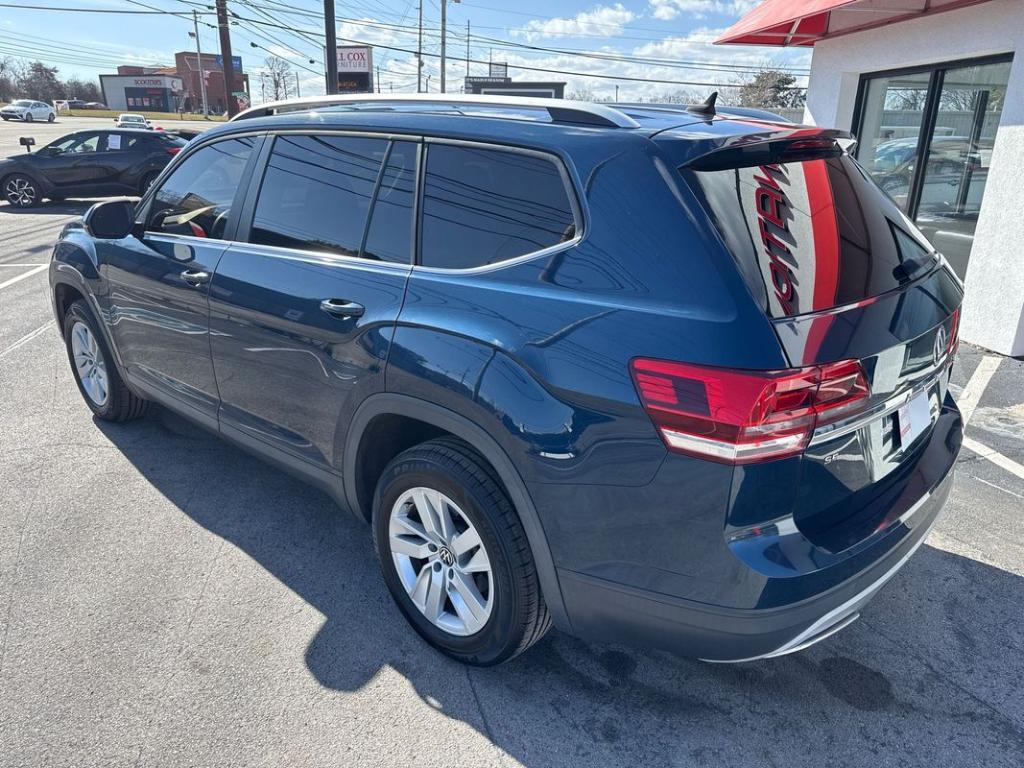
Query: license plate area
[[911, 420]]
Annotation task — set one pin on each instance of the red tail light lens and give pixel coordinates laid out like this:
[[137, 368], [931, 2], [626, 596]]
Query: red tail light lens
[[737, 417], [954, 333], [173, 150]]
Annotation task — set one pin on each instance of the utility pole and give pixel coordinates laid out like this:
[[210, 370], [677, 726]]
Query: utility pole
[[444, 36], [298, 90], [199, 62], [419, 55], [616, 94], [467, 47], [376, 77], [225, 54], [330, 29]]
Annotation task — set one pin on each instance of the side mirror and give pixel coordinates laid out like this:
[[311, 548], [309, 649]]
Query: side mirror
[[27, 142], [111, 219]]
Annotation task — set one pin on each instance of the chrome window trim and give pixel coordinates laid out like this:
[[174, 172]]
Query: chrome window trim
[[576, 202], [299, 254]]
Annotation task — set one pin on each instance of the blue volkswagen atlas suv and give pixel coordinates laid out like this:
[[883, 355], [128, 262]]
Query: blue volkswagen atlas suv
[[661, 376]]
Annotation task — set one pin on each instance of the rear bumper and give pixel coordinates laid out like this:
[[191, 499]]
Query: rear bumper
[[607, 611]]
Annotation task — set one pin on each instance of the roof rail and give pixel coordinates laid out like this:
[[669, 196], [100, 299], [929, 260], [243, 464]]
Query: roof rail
[[559, 110], [727, 111]]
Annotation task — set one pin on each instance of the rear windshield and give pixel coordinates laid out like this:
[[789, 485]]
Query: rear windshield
[[811, 235]]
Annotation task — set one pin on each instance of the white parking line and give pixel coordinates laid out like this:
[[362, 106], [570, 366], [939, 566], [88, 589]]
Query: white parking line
[[37, 264], [995, 457], [968, 401], [26, 338], [972, 393], [21, 277]]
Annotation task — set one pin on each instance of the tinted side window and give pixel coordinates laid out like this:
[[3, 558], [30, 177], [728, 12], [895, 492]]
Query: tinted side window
[[389, 235], [196, 199], [316, 192], [482, 206]]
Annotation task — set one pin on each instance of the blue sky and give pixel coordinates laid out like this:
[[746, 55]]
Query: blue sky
[[671, 37]]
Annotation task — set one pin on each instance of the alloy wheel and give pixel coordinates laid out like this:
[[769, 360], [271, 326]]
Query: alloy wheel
[[20, 191], [89, 363], [441, 561]]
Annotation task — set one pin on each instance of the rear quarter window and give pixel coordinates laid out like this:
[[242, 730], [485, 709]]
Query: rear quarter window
[[482, 206]]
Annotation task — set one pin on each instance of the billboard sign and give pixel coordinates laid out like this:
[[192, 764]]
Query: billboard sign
[[236, 62], [355, 68], [497, 69]]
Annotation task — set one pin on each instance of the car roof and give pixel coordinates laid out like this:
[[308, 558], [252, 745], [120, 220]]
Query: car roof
[[504, 123]]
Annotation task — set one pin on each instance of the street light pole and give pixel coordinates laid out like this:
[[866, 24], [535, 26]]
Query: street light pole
[[332, 47], [199, 61]]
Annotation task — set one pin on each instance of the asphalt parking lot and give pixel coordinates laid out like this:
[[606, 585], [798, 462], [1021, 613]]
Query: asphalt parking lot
[[167, 600]]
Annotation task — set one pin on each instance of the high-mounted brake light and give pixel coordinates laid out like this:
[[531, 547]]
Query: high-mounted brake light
[[738, 417], [173, 150]]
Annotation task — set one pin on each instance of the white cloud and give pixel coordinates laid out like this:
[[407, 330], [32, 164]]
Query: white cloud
[[666, 10], [601, 21]]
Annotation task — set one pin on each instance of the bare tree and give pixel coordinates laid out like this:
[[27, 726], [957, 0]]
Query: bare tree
[[771, 89], [279, 79], [583, 93]]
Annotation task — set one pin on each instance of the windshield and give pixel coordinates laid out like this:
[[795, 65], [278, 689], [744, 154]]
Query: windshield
[[811, 235], [21, 103]]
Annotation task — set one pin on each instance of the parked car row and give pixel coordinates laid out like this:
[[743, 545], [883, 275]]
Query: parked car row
[[88, 163]]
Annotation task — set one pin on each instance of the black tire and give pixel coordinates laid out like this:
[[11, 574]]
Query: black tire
[[121, 403], [519, 616], [28, 117], [51, 117], [20, 190]]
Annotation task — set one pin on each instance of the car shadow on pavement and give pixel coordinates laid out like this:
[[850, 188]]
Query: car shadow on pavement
[[928, 676]]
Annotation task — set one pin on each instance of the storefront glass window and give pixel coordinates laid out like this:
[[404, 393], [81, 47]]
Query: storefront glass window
[[946, 116], [891, 129], [959, 156]]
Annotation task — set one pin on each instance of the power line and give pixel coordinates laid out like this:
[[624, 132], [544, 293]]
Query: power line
[[549, 70], [91, 10]]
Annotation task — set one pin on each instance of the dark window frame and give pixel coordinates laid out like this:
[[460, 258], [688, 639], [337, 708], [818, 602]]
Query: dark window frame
[[930, 112], [568, 185], [235, 216], [247, 210]]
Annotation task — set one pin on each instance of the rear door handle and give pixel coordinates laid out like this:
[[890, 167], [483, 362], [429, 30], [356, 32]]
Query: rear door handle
[[342, 308], [195, 277]]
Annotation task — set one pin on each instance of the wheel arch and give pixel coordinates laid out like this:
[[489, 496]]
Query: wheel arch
[[441, 420]]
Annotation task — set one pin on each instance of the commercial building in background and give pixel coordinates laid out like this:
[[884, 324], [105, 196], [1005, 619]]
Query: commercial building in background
[[187, 65], [498, 83], [173, 89], [934, 92], [158, 90]]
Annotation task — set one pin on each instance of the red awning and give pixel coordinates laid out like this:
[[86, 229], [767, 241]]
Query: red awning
[[804, 22]]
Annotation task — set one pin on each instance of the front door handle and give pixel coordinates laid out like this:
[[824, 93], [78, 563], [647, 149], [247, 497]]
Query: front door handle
[[195, 277], [342, 308]]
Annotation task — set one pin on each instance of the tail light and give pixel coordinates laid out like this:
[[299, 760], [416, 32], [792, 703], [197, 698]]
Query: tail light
[[173, 150], [954, 333], [738, 417]]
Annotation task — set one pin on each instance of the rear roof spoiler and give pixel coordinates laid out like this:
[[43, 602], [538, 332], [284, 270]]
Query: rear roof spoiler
[[740, 150]]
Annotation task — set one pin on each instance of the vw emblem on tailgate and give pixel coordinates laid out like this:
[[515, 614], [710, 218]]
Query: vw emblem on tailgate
[[939, 348]]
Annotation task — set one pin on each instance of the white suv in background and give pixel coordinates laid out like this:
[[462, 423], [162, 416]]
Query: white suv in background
[[28, 110]]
